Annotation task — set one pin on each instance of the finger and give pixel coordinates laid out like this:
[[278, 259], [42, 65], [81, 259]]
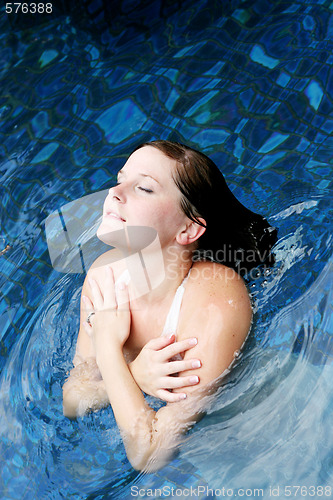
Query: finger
[[89, 311], [96, 293], [177, 347], [87, 304], [178, 382], [181, 366], [122, 297], [88, 328], [170, 397], [160, 342], [110, 294]]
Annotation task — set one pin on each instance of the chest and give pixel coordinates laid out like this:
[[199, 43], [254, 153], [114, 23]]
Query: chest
[[146, 324]]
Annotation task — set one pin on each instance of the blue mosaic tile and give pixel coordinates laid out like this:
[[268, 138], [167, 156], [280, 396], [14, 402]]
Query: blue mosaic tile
[[251, 85]]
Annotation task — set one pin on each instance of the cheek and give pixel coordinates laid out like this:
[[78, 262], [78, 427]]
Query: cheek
[[155, 211], [168, 218], [164, 215]]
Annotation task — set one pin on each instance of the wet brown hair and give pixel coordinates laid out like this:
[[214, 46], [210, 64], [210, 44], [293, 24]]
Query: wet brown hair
[[234, 236]]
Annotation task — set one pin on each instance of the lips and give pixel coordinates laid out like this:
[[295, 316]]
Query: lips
[[114, 215]]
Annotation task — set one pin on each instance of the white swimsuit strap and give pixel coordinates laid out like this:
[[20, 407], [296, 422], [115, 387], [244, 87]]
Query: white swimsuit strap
[[171, 323]]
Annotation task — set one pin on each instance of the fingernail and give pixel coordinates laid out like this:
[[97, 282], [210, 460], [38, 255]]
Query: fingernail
[[193, 341], [196, 364], [121, 286], [194, 379], [182, 396]]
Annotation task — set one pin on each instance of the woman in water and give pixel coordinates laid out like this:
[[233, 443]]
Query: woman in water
[[165, 314]]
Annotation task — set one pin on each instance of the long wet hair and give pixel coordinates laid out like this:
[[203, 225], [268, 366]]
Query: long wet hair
[[235, 236]]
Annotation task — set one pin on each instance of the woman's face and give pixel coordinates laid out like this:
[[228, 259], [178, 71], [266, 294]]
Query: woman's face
[[145, 195]]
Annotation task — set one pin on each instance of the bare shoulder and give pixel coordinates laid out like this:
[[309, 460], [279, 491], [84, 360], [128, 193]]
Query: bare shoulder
[[217, 311], [210, 281], [218, 292]]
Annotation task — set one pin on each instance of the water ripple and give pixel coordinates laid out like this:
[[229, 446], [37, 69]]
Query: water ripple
[[250, 85]]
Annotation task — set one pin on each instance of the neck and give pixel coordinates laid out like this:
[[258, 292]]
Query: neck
[[156, 273]]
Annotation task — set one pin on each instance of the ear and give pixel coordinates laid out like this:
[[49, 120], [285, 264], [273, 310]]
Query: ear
[[191, 233]]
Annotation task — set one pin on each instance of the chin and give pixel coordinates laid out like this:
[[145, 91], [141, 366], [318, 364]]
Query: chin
[[104, 235], [114, 237], [129, 239]]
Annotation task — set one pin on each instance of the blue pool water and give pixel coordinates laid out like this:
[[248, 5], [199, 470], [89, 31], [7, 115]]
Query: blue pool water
[[249, 83]]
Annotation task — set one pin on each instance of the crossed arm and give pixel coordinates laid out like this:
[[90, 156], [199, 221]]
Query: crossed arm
[[152, 371], [150, 437]]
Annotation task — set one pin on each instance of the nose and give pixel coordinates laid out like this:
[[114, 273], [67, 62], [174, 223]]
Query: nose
[[116, 193]]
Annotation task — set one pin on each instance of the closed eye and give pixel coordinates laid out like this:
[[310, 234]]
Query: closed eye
[[146, 190]]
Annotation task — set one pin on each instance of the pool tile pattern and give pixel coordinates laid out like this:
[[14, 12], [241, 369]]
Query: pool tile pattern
[[248, 83]]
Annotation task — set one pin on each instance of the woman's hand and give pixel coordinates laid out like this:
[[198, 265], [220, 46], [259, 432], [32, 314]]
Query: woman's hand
[[153, 368], [111, 320]]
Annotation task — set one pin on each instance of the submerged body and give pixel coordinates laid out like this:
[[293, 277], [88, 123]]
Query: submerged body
[[218, 318], [122, 353]]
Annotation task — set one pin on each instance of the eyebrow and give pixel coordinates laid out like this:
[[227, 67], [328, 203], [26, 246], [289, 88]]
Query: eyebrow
[[121, 172]]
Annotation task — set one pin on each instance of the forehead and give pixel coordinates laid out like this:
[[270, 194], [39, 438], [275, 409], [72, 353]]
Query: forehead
[[151, 161]]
